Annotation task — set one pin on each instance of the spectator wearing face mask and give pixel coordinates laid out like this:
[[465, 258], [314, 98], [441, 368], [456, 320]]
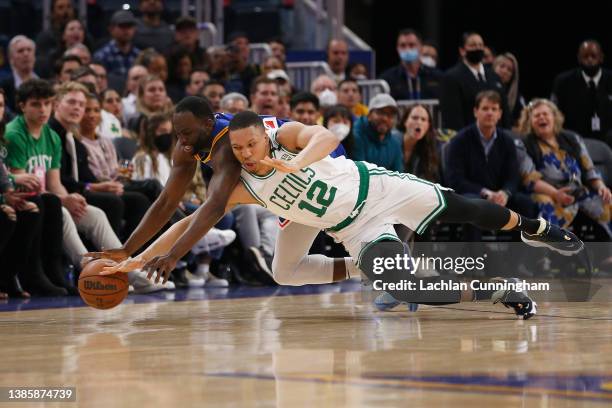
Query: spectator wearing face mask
[[583, 94], [156, 143], [411, 79], [339, 120], [429, 54], [325, 88], [464, 81]]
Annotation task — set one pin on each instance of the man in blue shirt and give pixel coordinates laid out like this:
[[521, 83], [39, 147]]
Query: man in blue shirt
[[118, 55], [373, 140]]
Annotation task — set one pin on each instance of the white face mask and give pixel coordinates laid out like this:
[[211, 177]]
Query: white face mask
[[428, 61], [359, 77], [340, 130], [327, 98]]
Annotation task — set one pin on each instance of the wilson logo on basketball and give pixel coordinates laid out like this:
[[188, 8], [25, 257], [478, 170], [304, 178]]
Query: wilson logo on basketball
[[95, 285]]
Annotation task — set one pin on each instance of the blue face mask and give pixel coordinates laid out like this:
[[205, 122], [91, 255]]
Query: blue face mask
[[409, 55]]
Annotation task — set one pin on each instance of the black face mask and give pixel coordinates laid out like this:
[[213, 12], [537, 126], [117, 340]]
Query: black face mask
[[163, 142], [474, 56], [590, 70]]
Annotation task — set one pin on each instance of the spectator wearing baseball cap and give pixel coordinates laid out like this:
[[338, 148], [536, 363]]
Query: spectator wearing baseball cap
[[373, 140], [186, 36], [118, 55]]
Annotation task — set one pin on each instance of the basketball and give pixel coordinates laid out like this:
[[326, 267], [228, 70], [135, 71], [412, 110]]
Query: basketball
[[102, 291]]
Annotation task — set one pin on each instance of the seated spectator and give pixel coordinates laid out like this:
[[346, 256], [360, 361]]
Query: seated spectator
[[429, 55], [410, 79], [154, 62], [43, 159], [101, 75], [305, 108], [283, 81], [264, 96], [135, 74], [338, 58], [62, 11], [349, 95], [179, 70], [214, 91], [271, 63], [218, 60], [339, 120], [73, 33], [234, 103], [151, 99], [119, 54], [374, 142], [22, 57], [278, 50], [186, 36], [482, 161], [583, 94], [197, 79], [109, 126], [464, 81], [80, 50], [357, 71], [21, 229], [420, 144], [152, 161], [151, 30], [559, 170], [506, 67], [111, 102], [326, 90], [104, 169], [65, 66], [240, 73]]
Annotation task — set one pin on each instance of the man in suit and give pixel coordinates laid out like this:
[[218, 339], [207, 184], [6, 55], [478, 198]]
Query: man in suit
[[482, 161], [410, 79], [584, 94], [22, 58], [461, 83]]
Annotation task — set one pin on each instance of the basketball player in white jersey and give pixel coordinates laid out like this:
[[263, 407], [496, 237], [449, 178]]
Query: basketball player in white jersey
[[289, 171]]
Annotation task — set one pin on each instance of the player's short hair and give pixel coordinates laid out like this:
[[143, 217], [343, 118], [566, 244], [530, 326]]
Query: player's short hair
[[244, 120], [34, 89], [304, 97], [197, 105]]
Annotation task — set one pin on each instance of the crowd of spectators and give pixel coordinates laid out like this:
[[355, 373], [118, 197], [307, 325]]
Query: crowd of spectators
[[86, 138]]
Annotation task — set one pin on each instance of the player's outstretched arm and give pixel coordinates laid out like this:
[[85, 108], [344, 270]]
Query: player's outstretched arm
[[313, 143], [161, 210]]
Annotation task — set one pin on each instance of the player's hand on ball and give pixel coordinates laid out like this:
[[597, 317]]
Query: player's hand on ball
[[125, 266], [281, 165], [117, 254], [163, 265]]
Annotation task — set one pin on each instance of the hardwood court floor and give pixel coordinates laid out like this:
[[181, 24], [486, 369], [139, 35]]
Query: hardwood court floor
[[319, 350]]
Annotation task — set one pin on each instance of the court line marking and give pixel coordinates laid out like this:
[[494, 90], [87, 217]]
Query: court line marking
[[417, 385], [535, 317]]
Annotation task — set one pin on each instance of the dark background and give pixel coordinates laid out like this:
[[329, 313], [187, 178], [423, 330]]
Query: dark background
[[543, 35]]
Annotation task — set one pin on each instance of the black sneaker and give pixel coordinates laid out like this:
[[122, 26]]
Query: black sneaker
[[556, 239], [522, 304]]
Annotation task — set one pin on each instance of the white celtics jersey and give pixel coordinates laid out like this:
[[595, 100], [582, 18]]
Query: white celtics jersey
[[327, 194]]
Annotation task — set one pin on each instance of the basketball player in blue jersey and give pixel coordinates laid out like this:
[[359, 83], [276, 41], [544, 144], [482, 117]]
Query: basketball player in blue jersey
[[289, 171]]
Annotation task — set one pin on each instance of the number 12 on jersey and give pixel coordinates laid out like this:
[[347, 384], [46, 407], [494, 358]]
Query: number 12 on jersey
[[323, 198]]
